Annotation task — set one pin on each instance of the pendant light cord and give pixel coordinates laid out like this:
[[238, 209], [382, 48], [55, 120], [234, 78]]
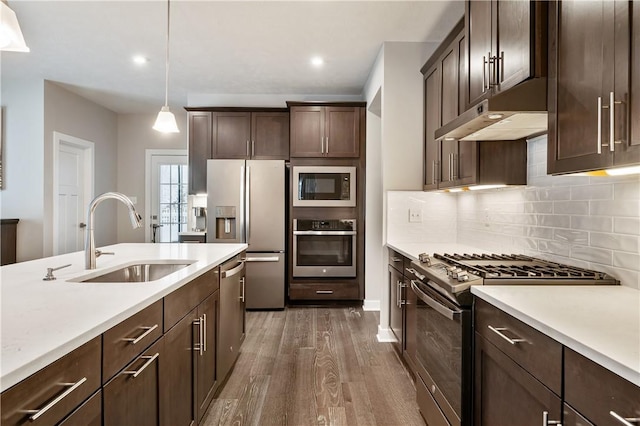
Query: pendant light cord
[[166, 86]]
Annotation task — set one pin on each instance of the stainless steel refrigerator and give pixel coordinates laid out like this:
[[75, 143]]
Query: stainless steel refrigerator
[[246, 204]]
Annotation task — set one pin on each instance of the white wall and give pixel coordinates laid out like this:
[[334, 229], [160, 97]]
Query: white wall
[[135, 135], [394, 152], [73, 115], [23, 160]]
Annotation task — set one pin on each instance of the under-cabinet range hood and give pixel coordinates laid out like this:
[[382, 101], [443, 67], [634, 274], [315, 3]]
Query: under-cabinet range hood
[[516, 113]]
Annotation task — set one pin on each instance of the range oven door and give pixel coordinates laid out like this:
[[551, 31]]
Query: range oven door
[[443, 352], [324, 253]]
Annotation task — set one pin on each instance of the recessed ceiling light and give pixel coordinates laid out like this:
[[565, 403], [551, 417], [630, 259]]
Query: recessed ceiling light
[[140, 60], [317, 61]]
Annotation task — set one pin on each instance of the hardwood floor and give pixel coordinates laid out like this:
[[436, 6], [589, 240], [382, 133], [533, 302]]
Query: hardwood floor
[[315, 366]]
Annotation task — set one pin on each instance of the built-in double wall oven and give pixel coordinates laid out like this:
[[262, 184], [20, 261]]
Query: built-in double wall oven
[[324, 248]]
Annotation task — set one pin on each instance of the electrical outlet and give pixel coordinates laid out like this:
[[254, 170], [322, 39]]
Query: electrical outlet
[[415, 215]]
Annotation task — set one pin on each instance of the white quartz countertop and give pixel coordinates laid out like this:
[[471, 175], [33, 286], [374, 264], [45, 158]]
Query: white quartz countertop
[[44, 320], [600, 322], [412, 250]]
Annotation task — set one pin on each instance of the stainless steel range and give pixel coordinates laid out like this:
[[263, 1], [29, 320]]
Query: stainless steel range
[[442, 284]]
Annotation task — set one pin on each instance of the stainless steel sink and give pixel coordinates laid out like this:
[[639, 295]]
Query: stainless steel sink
[[138, 273]]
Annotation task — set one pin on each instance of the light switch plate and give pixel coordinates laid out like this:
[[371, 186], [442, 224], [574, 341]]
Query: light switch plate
[[415, 215]]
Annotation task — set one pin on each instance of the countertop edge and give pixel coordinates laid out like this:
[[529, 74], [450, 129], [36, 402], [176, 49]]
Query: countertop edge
[[599, 358], [13, 377]]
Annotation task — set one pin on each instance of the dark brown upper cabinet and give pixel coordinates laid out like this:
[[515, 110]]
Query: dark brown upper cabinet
[[325, 131], [444, 88], [234, 133], [506, 45], [594, 85], [199, 137]]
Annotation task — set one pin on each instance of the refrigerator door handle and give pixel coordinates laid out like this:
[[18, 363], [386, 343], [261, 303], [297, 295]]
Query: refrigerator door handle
[[241, 214], [248, 203], [263, 259]]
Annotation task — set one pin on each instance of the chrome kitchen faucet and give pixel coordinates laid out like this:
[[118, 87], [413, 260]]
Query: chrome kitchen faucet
[[90, 252]]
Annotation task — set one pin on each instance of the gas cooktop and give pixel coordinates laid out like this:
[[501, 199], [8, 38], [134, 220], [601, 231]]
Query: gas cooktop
[[453, 274]]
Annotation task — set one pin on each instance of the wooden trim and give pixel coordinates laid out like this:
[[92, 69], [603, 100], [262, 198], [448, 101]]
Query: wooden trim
[[322, 103], [455, 33], [236, 109]]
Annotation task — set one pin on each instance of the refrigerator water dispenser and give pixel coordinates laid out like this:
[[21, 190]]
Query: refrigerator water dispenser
[[225, 223]]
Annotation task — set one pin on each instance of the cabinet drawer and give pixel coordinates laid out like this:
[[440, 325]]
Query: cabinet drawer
[[537, 353], [399, 261], [128, 339], [320, 291], [41, 390], [595, 391], [183, 300], [88, 414]]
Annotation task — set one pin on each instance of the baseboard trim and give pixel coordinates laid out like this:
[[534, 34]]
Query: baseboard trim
[[371, 305], [385, 335]]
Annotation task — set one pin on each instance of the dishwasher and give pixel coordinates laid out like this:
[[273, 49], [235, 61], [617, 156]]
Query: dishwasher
[[232, 313]]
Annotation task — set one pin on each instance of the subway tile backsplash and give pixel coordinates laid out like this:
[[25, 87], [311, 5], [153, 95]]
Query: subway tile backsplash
[[589, 222]]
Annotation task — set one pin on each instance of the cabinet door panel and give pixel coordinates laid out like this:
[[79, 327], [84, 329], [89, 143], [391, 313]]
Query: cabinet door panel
[[431, 123], [132, 400], [450, 86], [514, 43], [506, 394], [177, 373], [573, 418], [270, 135], [199, 150], [395, 308], [342, 131], [231, 134], [581, 73], [478, 37], [307, 131], [448, 150], [466, 162], [88, 414], [206, 363]]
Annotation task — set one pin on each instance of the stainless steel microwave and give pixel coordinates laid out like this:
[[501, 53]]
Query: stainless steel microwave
[[324, 186]]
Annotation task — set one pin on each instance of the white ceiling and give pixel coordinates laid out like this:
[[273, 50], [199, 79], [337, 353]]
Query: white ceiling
[[217, 47]]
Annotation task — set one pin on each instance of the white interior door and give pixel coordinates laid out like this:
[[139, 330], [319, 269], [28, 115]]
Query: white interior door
[[73, 188], [169, 189]]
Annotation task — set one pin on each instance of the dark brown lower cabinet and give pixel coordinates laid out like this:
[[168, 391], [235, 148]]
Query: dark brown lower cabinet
[[176, 372], [396, 281], [206, 374], [573, 418], [410, 325], [88, 414], [132, 397], [506, 394]]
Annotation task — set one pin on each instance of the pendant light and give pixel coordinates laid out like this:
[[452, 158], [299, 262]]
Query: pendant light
[[166, 121], [11, 39]]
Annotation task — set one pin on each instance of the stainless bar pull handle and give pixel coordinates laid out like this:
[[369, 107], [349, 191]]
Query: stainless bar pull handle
[[327, 145], [499, 330], [599, 136], [63, 395], [137, 372], [262, 259], [433, 173], [324, 291], [397, 293], [204, 331], [134, 340], [242, 281], [484, 73], [450, 166], [242, 198], [547, 422], [198, 346], [233, 271], [612, 122], [322, 145], [626, 421], [253, 148], [247, 148], [501, 69], [248, 204], [454, 167]]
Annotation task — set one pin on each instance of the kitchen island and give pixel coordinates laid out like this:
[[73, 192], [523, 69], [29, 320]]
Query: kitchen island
[[44, 320]]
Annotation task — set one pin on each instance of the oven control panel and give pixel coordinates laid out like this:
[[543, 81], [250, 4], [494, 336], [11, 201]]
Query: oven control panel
[[325, 225]]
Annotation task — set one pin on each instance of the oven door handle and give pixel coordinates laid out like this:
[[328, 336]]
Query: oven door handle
[[439, 307], [321, 233]]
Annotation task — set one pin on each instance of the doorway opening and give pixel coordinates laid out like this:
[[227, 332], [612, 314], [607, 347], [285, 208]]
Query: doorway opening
[[166, 200]]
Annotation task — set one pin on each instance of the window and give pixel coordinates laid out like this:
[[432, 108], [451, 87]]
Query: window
[[172, 198]]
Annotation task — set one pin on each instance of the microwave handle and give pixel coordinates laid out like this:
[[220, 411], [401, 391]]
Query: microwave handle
[[439, 307]]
